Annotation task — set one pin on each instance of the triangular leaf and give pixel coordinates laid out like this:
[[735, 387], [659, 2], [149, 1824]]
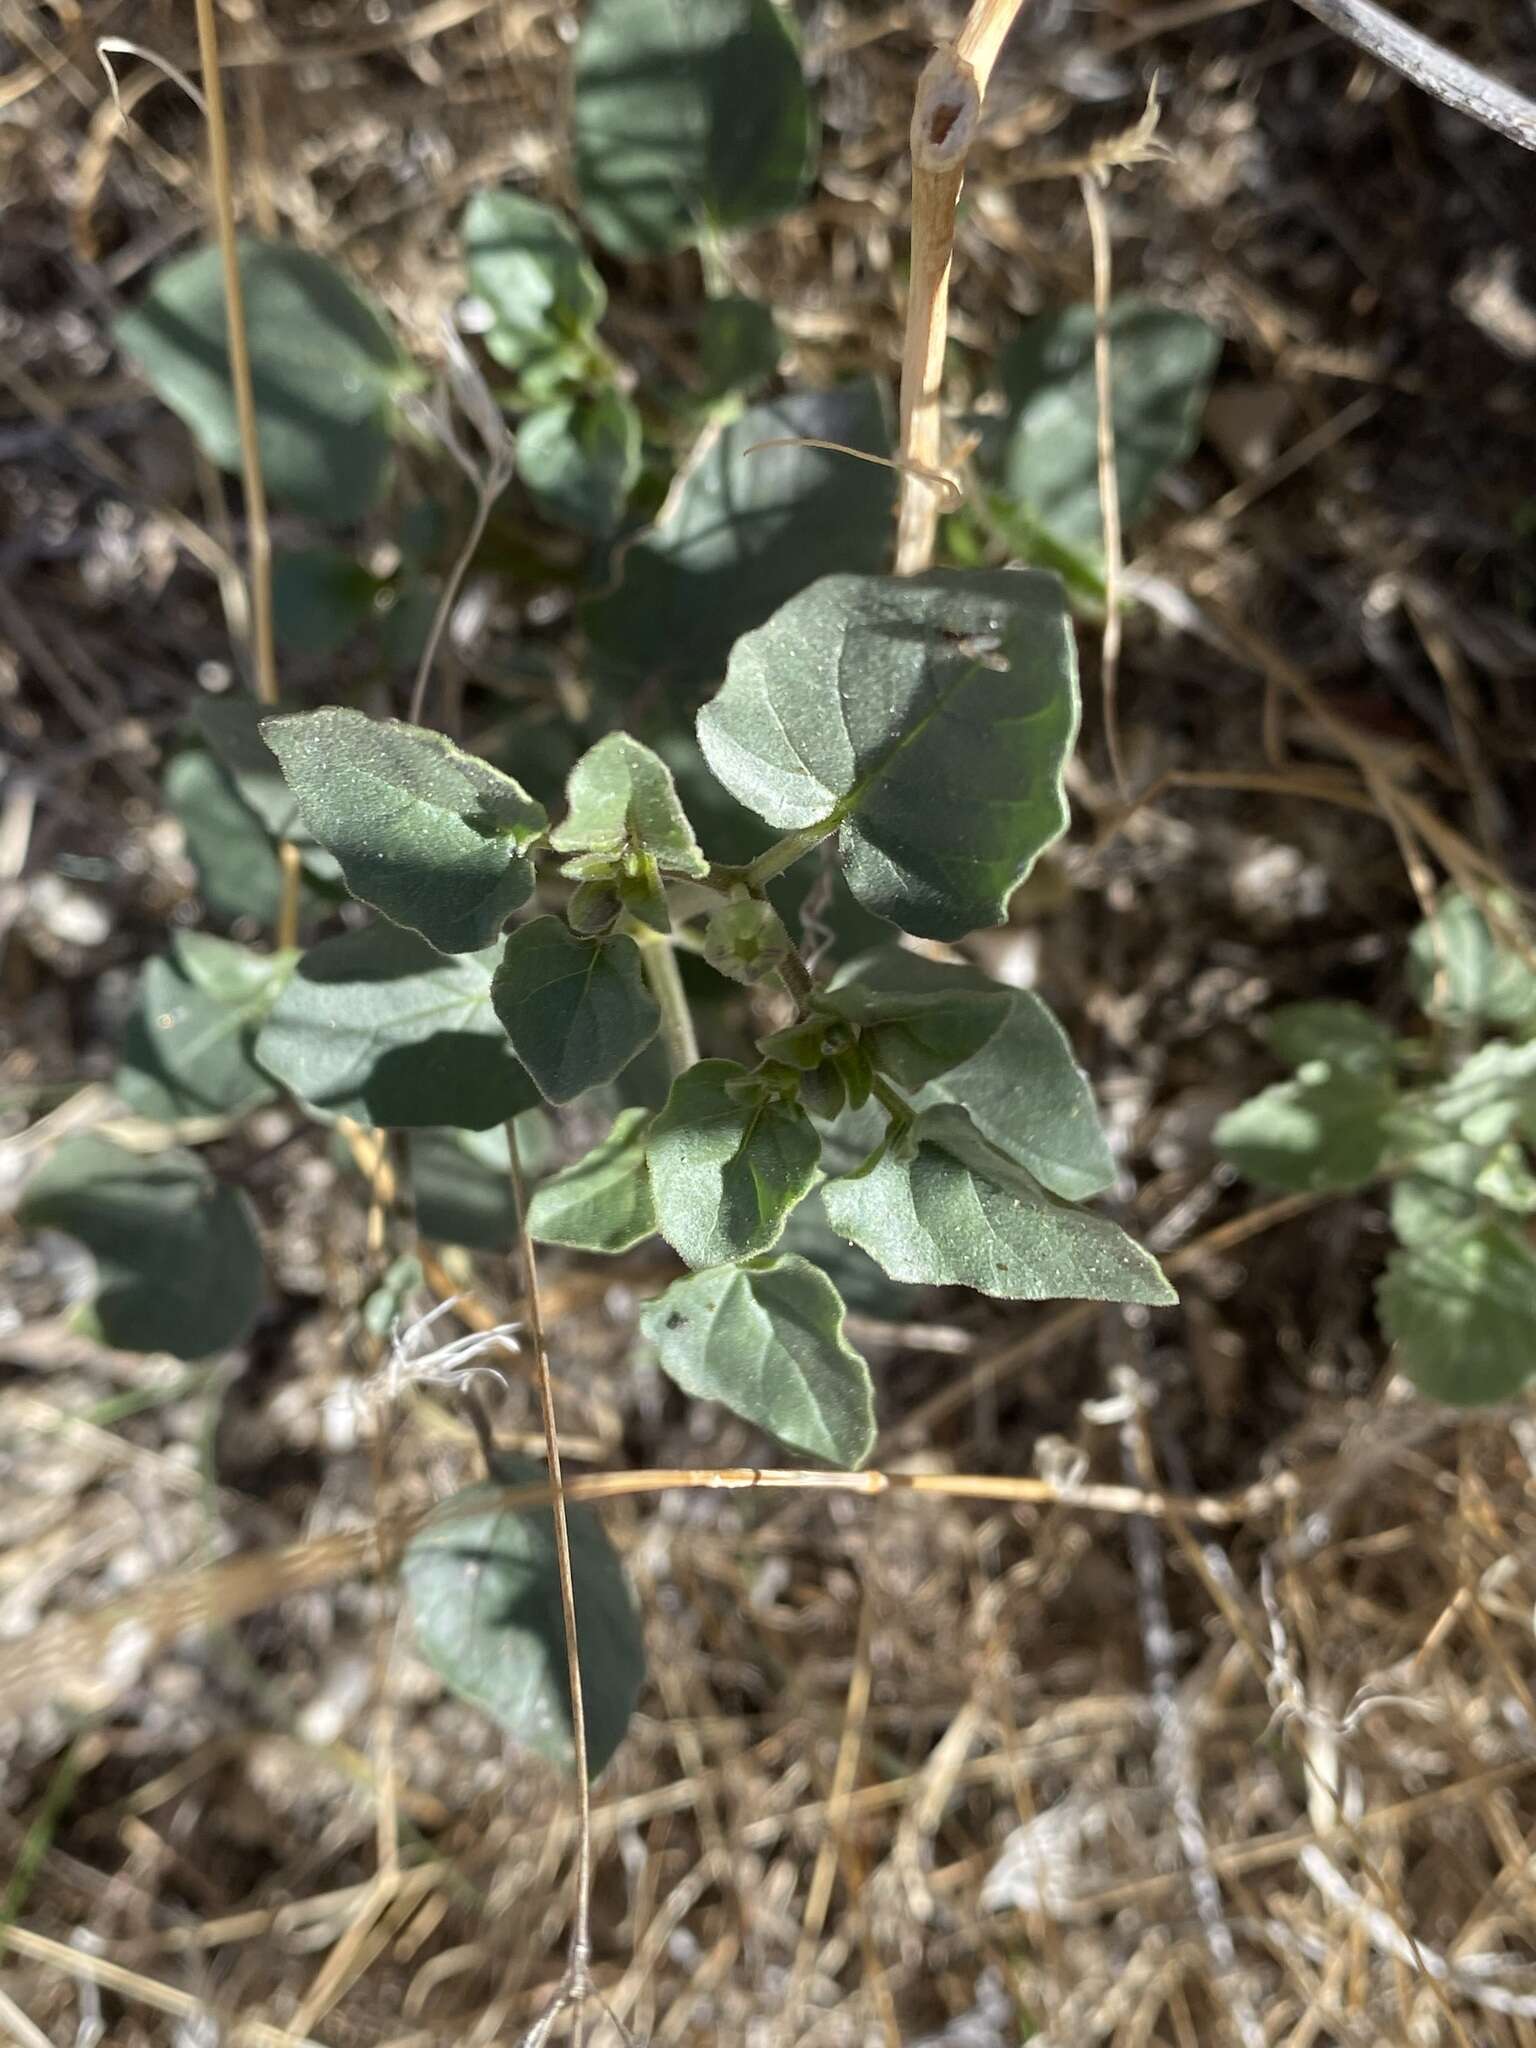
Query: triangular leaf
[[484, 1589], [686, 118], [728, 1162], [623, 800], [377, 1026], [1049, 458], [1461, 1308], [917, 1037], [188, 1048], [950, 1210], [576, 1009], [767, 1342], [603, 1202], [527, 264], [430, 836], [928, 718], [1024, 1089], [178, 1263], [740, 533], [323, 365]]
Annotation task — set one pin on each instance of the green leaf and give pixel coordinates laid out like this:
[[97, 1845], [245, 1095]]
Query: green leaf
[[231, 728], [746, 940], [178, 1264], [916, 1038], [322, 598], [461, 1182], [927, 719], [1465, 974], [237, 870], [1491, 1095], [950, 1211], [484, 1590], [188, 1048], [576, 1009], [580, 457], [1326, 1131], [622, 800], [1452, 1183], [324, 367], [603, 1202], [739, 345], [728, 1162], [686, 118], [741, 533], [1049, 459], [767, 1342], [1345, 1036], [377, 1026], [866, 1290], [1461, 1308], [527, 263], [433, 838]]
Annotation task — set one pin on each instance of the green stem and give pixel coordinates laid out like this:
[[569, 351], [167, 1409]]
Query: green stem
[[785, 852], [666, 985]]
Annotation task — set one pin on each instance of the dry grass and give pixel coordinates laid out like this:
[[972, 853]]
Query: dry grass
[[911, 1768]]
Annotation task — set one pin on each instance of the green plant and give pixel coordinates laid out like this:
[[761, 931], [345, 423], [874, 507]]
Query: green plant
[[565, 911], [1447, 1121]]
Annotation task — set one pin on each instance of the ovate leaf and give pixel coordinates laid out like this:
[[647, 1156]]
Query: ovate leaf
[[741, 533], [949, 1210], [766, 1341], [427, 834], [728, 1162], [237, 869], [928, 719], [461, 1183], [188, 1048], [1461, 1308], [484, 1590], [527, 264], [1325, 1131], [377, 1026], [1024, 1090], [1344, 1035], [579, 458], [1465, 972], [1049, 462], [603, 1202], [323, 365], [178, 1264], [576, 1009], [687, 117], [912, 1037], [322, 598], [622, 799]]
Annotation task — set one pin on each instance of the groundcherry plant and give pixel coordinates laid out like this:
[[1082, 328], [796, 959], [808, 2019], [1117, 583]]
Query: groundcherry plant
[[787, 785]]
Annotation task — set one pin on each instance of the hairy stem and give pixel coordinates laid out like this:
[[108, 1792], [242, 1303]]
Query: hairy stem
[[784, 853], [666, 985]]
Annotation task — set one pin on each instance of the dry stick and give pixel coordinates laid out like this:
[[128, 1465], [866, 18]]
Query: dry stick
[[1451, 79], [99, 1655], [578, 1968], [944, 118], [259, 538], [1109, 478]]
